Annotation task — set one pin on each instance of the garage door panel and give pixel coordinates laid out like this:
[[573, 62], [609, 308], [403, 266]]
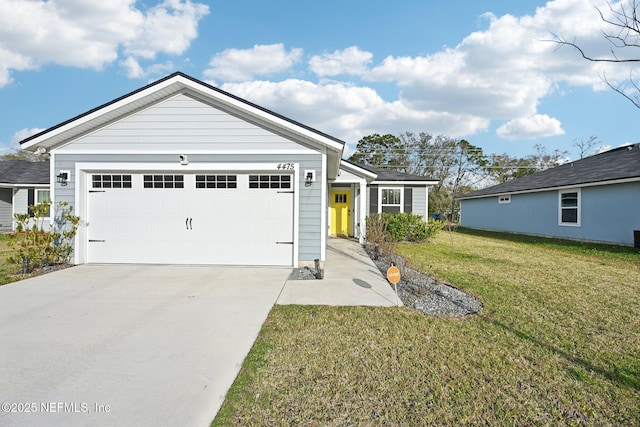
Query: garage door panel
[[239, 226]]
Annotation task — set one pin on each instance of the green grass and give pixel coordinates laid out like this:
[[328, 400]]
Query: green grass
[[558, 343], [7, 271]]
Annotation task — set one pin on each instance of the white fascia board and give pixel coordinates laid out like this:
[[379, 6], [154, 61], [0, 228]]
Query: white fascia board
[[191, 167], [24, 185], [564, 187], [356, 170]]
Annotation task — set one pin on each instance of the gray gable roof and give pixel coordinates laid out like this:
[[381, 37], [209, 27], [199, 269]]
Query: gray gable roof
[[391, 175], [613, 165], [24, 172]]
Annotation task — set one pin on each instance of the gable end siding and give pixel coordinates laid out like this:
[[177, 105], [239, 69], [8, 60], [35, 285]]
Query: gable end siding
[[183, 124]]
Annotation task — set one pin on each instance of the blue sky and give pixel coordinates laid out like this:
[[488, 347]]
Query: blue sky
[[478, 70]]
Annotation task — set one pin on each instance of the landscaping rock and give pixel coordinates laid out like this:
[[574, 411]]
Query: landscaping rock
[[305, 273], [423, 293]]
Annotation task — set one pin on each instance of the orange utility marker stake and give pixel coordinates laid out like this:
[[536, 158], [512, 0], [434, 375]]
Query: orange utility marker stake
[[393, 275]]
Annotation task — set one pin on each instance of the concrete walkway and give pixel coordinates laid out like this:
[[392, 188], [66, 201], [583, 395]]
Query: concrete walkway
[[350, 279]]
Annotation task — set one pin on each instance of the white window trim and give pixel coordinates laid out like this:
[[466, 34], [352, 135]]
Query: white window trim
[[391, 188], [37, 201], [504, 199], [579, 207]]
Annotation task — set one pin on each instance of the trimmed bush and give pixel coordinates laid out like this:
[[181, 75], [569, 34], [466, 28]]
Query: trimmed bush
[[400, 227]]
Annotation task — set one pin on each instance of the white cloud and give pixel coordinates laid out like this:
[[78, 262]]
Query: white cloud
[[503, 72], [90, 34], [168, 27], [132, 67], [135, 71], [349, 112], [14, 144], [347, 61], [244, 64], [536, 126]]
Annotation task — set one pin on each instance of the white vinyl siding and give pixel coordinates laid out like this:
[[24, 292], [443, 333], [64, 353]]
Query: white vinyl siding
[[6, 210], [186, 125], [420, 201]]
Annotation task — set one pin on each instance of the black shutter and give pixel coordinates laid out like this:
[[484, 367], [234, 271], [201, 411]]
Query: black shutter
[[31, 199], [373, 199], [408, 199]]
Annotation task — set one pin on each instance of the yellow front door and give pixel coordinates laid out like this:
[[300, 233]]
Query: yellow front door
[[340, 212]]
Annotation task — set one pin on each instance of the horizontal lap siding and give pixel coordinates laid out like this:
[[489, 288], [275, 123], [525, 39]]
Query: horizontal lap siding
[[419, 202], [6, 211], [309, 226], [21, 201], [609, 213], [184, 123]]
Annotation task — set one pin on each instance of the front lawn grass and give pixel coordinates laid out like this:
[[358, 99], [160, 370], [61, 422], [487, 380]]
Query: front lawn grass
[[558, 343], [7, 271]]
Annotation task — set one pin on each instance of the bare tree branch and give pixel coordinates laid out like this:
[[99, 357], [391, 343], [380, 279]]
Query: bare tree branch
[[625, 33]]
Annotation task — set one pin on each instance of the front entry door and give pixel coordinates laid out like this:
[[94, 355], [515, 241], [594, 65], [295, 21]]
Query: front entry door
[[341, 213]]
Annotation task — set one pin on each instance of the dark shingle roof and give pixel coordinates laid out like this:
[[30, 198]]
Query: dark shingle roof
[[391, 175], [24, 172], [617, 164]]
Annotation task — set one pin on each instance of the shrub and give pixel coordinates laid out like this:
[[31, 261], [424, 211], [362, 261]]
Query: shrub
[[410, 227], [36, 246], [385, 228]]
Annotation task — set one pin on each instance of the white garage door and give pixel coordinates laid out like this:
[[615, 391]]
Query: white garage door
[[199, 218]]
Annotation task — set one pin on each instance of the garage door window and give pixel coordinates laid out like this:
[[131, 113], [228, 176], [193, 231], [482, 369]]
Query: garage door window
[[163, 181], [111, 181], [270, 181], [216, 181]]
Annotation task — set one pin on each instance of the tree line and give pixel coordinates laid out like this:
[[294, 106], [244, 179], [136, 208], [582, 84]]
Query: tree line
[[457, 165]]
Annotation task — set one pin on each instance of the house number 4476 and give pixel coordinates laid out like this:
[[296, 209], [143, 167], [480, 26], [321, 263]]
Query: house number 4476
[[286, 166]]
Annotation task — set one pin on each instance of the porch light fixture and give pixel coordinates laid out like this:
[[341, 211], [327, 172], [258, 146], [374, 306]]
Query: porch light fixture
[[309, 177], [63, 178]]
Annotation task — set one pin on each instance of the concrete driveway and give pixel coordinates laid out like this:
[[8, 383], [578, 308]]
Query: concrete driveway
[[128, 345]]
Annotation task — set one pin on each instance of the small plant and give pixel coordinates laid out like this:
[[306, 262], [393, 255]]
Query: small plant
[[36, 246], [378, 240]]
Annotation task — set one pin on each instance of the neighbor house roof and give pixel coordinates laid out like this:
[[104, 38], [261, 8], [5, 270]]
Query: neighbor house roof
[[23, 172], [169, 86], [617, 165]]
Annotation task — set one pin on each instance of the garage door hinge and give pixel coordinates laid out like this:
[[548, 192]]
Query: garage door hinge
[[93, 241], [287, 192], [284, 243]]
